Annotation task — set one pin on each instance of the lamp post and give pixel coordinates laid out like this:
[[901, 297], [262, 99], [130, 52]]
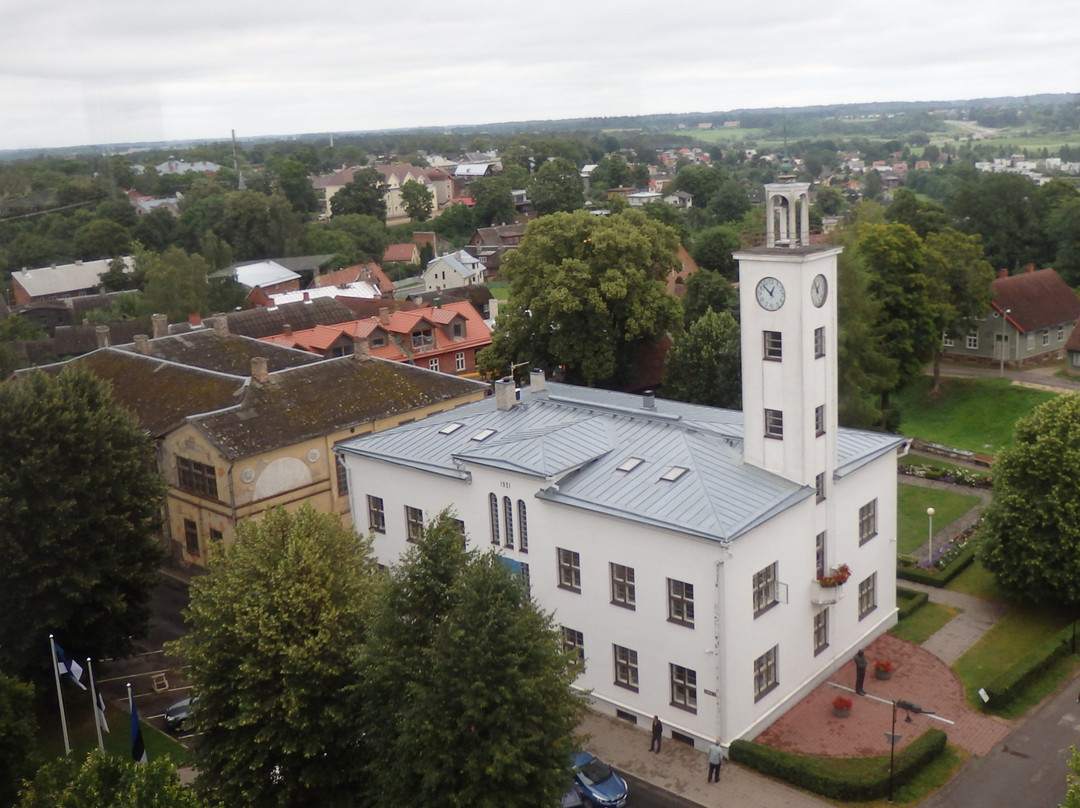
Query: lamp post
[[930, 535], [1004, 322]]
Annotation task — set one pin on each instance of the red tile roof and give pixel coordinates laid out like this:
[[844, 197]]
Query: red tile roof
[[400, 252]]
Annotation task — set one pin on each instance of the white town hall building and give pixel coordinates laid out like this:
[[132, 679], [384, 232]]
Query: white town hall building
[[678, 547]]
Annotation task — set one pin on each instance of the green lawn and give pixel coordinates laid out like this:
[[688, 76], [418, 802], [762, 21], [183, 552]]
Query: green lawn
[[499, 289], [912, 524], [978, 581], [924, 622], [974, 414]]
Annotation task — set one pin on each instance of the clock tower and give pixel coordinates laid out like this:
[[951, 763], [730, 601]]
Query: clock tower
[[787, 303]]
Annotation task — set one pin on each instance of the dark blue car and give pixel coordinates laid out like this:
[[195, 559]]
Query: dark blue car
[[597, 784]]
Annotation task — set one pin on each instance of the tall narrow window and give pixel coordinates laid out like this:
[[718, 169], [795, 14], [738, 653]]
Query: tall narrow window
[[626, 667], [821, 631], [774, 424], [680, 602], [868, 521], [569, 569], [765, 672], [459, 361], [819, 554], [191, 536], [493, 508], [684, 688], [342, 476], [376, 516], [414, 523], [508, 521], [819, 487], [523, 527], [765, 589], [819, 420], [819, 342], [867, 595], [623, 591], [773, 345], [573, 641]]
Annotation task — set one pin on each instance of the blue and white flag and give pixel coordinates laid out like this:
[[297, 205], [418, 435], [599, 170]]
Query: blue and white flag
[[99, 711], [68, 666], [138, 749]]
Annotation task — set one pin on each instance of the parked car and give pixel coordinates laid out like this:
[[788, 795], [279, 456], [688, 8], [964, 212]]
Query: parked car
[[177, 713], [597, 784]]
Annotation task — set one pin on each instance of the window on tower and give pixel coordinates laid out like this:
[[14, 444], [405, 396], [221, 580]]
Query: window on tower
[[819, 342], [773, 345], [774, 424]]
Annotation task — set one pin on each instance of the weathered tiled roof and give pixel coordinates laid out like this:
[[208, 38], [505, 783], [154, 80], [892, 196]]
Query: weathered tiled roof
[[319, 399], [1037, 299], [265, 322], [573, 440], [225, 354]]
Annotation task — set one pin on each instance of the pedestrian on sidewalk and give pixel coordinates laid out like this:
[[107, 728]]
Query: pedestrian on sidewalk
[[860, 672], [657, 734], [716, 755]]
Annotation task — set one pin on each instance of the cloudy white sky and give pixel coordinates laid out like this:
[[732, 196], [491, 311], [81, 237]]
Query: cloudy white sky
[[76, 72]]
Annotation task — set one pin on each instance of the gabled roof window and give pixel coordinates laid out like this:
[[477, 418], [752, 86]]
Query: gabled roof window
[[484, 434], [449, 428], [629, 464], [673, 473]]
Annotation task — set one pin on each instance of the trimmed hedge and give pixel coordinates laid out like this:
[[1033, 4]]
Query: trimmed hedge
[[1015, 680], [912, 601], [943, 575], [848, 779]]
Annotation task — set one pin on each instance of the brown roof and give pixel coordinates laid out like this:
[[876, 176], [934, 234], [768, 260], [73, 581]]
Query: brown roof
[[1036, 299], [369, 273], [399, 252], [264, 322], [307, 402], [475, 293], [231, 354], [370, 306]]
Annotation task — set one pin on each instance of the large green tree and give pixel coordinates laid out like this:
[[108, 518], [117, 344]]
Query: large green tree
[[294, 179], [18, 735], [708, 290], [704, 365], [101, 238], [78, 509], [106, 780], [556, 186], [583, 291], [255, 225], [368, 235], [467, 698], [417, 201], [493, 201], [713, 248], [1031, 531], [364, 195], [275, 628], [176, 284]]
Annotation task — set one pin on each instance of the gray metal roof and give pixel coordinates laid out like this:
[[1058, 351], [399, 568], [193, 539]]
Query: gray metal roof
[[573, 440]]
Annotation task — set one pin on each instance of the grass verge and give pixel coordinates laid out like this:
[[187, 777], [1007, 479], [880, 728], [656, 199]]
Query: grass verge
[[924, 622], [978, 581], [911, 521]]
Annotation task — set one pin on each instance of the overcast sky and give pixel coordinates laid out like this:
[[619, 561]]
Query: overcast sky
[[76, 72]]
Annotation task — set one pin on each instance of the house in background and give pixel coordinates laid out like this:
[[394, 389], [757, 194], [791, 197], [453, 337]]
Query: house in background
[[369, 273], [1032, 316], [490, 245], [407, 253], [453, 270], [60, 281], [695, 559]]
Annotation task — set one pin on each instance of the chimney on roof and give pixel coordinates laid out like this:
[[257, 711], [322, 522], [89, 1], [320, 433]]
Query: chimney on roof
[[101, 334], [195, 319], [505, 393], [259, 373], [220, 325], [159, 325], [307, 297], [648, 400], [286, 330], [537, 380], [78, 262], [361, 348], [384, 315], [142, 344], [1003, 273], [1029, 268]]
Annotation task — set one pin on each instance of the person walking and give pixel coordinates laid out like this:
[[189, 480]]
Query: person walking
[[657, 734], [716, 755], [860, 672]]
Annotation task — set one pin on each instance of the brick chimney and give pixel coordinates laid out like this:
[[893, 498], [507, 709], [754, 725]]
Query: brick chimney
[[220, 325], [142, 344], [259, 373], [1003, 273], [1029, 268], [505, 393], [195, 319], [361, 348], [101, 335], [286, 330], [159, 325], [384, 315]]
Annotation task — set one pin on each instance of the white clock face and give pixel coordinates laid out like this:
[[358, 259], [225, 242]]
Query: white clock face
[[770, 294], [819, 290]]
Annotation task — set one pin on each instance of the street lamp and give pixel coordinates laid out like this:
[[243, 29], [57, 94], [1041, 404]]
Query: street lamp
[[930, 534], [1004, 318]]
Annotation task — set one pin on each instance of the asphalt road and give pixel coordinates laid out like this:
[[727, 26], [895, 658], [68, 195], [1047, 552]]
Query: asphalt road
[[1028, 769]]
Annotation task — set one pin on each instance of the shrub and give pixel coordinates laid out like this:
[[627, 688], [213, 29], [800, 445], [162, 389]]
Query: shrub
[[909, 601], [1012, 682], [943, 575]]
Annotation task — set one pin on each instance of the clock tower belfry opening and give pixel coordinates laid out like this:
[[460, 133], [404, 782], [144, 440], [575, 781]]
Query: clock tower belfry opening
[[787, 213]]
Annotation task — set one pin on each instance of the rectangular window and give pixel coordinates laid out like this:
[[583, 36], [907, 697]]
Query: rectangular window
[[376, 516], [414, 523], [819, 342], [683, 688], [342, 476], [508, 521], [946, 341], [867, 596], [573, 641], [216, 535], [819, 554], [459, 330], [773, 345], [626, 668], [680, 602], [765, 672], [1061, 333], [459, 361], [433, 363], [493, 508], [1046, 337], [765, 589], [819, 487], [526, 576], [622, 586], [196, 477], [774, 424], [868, 521], [569, 569], [819, 420], [422, 338], [523, 527], [821, 631], [973, 340], [191, 536]]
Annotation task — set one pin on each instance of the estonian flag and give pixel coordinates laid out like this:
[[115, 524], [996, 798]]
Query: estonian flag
[[99, 710], [68, 666], [138, 750]]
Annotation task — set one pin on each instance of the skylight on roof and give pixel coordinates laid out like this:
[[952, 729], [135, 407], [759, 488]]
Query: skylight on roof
[[629, 464], [454, 427], [484, 434], [673, 473]]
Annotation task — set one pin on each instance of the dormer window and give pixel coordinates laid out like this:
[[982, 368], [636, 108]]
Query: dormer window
[[422, 337], [458, 330]]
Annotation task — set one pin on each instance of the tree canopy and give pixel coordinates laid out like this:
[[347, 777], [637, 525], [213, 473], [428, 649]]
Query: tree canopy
[[583, 290], [275, 628], [1031, 531], [18, 735], [556, 186], [417, 201], [365, 195], [78, 510], [704, 365]]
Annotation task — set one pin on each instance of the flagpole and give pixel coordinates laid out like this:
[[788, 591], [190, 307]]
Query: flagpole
[[94, 706], [59, 694]]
